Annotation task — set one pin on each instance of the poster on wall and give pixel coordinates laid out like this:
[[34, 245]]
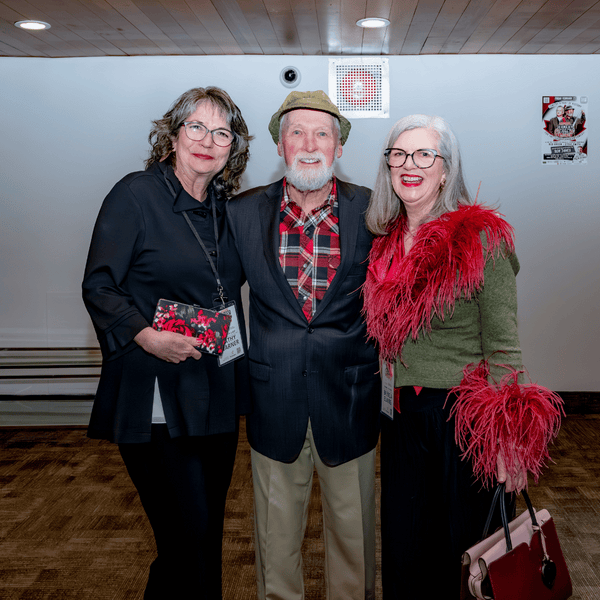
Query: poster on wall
[[564, 130]]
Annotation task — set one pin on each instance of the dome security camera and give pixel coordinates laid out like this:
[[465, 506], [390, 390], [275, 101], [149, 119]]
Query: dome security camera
[[290, 77]]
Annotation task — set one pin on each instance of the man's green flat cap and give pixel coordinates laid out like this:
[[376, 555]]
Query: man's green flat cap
[[318, 100]]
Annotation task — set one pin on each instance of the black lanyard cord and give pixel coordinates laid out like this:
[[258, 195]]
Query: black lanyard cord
[[210, 260]]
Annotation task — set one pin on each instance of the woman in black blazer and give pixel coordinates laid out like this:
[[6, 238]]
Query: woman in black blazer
[[172, 410]]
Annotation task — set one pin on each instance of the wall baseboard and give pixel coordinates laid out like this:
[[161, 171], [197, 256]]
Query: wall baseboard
[[32, 411], [581, 403]]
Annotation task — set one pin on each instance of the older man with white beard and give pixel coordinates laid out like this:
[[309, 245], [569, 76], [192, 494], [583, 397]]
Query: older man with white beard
[[314, 378]]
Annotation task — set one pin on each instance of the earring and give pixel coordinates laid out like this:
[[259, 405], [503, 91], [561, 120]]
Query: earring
[[442, 186]]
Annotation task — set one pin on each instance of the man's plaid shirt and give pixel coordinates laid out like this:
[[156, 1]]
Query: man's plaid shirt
[[309, 249]]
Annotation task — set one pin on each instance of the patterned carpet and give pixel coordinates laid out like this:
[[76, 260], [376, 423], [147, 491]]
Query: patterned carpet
[[71, 525]]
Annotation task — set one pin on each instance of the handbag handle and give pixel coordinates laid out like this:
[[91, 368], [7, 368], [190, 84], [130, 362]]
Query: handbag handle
[[499, 496], [488, 522]]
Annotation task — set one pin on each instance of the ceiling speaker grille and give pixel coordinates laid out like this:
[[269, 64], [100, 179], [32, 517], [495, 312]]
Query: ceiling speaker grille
[[360, 87]]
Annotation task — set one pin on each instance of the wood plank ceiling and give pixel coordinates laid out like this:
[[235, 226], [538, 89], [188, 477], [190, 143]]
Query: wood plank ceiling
[[299, 27]]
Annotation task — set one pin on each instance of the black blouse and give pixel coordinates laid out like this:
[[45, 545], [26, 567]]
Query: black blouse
[[142, 250]]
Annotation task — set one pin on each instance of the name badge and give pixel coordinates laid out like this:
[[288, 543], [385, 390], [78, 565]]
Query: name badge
[[234, 347], [387, 389]]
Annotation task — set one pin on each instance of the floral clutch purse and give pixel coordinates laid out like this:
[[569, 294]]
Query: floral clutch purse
[[208, 326]]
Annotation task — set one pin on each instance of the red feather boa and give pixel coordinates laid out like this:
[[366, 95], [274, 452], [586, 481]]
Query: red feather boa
[[445, 263]]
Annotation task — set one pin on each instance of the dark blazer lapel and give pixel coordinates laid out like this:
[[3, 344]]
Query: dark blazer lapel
[[269, 207], [349, 219]]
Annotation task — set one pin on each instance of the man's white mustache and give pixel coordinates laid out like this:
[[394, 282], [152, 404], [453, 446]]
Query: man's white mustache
[[309, 156]]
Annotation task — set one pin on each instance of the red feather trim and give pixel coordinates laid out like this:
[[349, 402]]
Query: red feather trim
[[516, 420], [445, 263]]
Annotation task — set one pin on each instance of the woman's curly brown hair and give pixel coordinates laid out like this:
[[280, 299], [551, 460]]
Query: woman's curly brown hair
[[164, 130]]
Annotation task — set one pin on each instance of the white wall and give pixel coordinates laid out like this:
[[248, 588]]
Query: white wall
[[72, 127]]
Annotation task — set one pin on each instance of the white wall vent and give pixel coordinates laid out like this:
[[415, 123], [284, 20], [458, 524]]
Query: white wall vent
[[360, 87]]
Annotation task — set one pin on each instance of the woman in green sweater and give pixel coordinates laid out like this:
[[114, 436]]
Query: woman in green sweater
[[441, 302]]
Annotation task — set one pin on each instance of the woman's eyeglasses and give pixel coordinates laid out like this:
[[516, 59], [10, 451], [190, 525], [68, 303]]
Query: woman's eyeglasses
[[197, 132], [423, 159]]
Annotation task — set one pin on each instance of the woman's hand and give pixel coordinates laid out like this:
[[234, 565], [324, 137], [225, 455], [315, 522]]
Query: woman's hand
[[516, 480], [167, 345]]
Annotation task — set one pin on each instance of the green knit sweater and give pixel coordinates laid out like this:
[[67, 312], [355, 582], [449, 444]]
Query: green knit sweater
[[476, 329]]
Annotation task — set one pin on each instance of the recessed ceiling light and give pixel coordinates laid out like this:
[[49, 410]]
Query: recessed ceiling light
[[32, 25], [373, 22]]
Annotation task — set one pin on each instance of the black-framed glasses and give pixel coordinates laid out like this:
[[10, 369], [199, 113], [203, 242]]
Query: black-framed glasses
[[197, 131], [424, 158]]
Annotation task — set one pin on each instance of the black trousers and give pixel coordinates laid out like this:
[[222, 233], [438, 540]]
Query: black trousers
[[183, 483], [432, 509]]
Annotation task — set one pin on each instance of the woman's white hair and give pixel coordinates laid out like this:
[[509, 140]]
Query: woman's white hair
[[385, 206]]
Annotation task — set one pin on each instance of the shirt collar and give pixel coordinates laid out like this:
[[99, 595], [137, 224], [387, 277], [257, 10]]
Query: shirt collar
[[183, 200]]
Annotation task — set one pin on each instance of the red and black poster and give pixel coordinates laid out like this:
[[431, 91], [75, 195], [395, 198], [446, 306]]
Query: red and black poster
[[564, 130]]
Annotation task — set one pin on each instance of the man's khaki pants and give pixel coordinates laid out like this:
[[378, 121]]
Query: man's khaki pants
[[281, 497]]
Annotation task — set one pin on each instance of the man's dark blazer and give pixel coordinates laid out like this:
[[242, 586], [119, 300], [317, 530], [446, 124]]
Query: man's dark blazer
[[325, 369]]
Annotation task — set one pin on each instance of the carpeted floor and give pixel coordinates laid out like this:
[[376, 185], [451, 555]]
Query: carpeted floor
[[71, 525]]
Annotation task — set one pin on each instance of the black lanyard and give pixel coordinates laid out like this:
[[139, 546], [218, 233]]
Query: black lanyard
[[197, 236]]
